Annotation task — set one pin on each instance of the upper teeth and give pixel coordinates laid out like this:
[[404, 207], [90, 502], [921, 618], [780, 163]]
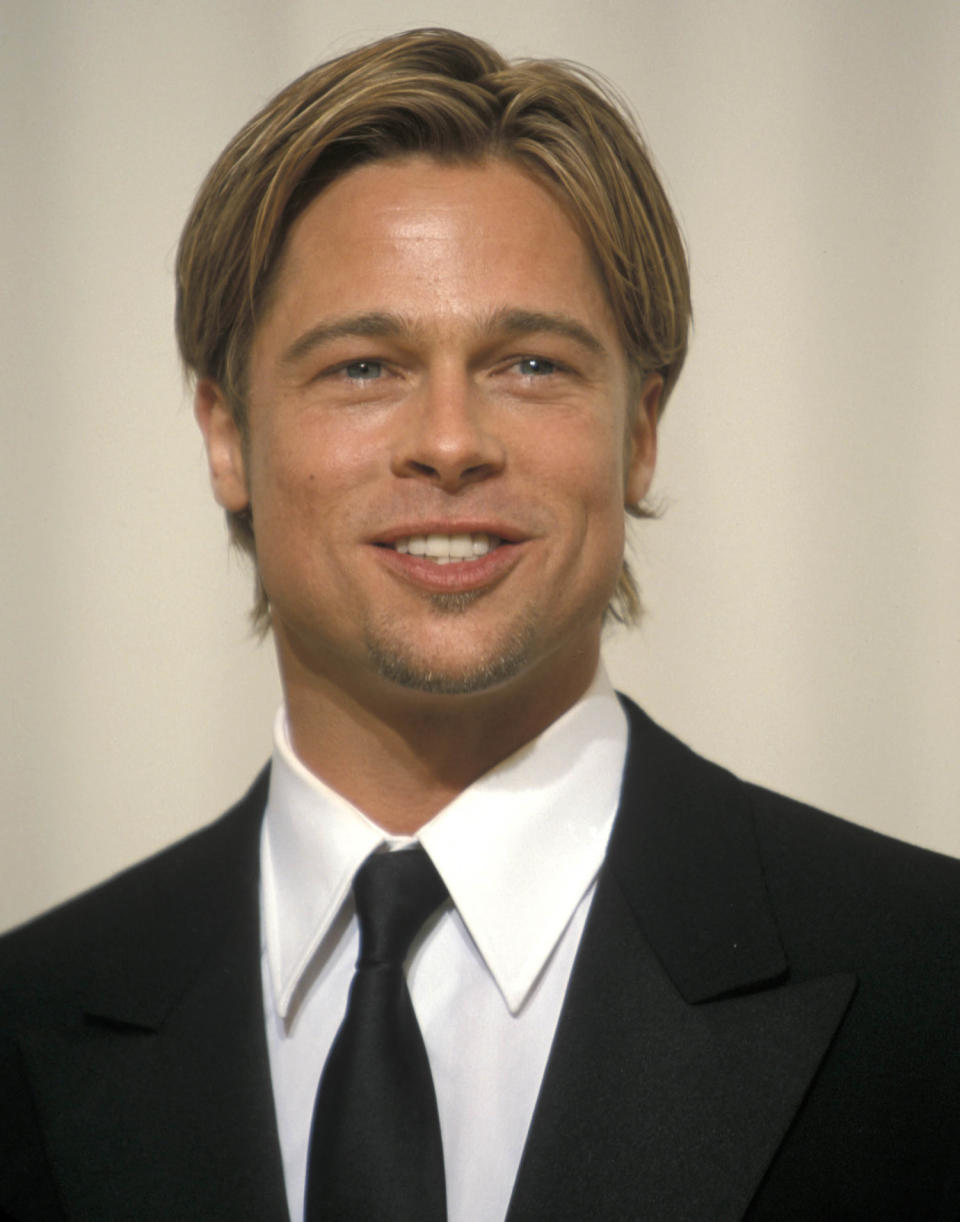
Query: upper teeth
[[444, 548]]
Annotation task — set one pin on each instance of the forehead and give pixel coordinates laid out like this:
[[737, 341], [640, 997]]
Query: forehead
[[436, 241]]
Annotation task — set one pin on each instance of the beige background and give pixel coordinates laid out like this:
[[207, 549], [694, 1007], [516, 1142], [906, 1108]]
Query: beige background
[[804, 585]]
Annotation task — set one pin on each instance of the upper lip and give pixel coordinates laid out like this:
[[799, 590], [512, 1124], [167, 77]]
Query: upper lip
[[472, 526]]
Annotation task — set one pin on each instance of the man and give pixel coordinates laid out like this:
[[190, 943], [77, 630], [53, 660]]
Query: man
[[434, 304]]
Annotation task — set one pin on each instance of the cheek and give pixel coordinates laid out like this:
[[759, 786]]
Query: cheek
[[279, 483], [605, 524], [301, 473], [585, 483], [598, 472]]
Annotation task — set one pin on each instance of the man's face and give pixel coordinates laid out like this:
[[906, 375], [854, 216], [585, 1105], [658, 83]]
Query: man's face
[[437, 369]]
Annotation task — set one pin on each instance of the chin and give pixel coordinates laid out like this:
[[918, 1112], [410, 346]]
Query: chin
[[480, 672]]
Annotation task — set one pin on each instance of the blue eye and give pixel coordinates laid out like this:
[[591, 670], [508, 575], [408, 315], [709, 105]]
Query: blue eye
[[536, 366], [363, 371]]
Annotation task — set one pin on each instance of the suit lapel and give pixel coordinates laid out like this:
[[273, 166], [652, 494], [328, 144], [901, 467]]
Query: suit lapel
[[156, 1102], [681, 1056], [683, 1049]]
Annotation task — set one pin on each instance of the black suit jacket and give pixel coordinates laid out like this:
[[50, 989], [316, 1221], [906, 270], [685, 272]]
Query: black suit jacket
[[762, 1023]]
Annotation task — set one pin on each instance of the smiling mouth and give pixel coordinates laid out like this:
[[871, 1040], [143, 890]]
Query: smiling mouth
[[447, 549]]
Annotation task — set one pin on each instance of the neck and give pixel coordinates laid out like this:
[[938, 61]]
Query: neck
[[404, 756]]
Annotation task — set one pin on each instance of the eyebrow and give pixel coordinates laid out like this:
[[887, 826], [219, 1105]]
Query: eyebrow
[[509, 321], [374, 323], [529, 322]]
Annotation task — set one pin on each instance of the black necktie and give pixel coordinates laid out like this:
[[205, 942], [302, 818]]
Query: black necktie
[[375, 1149]]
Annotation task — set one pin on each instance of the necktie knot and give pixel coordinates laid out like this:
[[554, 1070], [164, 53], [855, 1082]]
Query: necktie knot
[[394, 894]]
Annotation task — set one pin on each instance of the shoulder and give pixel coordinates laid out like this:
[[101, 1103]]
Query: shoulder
[[786, 828], [835, 883], [830, 882], [133, 917]]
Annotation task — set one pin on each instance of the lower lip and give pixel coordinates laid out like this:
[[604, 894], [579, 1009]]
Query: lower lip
[[456, 576]]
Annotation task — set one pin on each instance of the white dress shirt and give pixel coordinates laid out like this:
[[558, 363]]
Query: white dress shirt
[[519, 851]]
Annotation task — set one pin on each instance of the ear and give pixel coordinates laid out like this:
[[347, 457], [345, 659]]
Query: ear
[[224, 446], [642, 440]]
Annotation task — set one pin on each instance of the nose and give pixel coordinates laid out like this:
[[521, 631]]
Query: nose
[[447, 435]]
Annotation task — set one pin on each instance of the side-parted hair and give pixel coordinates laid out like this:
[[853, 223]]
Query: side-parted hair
[[443, 94]]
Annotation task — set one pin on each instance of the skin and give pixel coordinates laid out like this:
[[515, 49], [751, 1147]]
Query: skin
[[437, 354]]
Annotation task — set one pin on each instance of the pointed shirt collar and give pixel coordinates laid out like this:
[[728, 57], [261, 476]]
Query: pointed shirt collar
[[518, 849]]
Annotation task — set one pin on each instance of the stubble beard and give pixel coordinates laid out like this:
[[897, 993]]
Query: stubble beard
[[399, 664]]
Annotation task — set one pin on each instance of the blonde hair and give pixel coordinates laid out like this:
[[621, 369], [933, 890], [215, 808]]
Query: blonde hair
[[452, 97]]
